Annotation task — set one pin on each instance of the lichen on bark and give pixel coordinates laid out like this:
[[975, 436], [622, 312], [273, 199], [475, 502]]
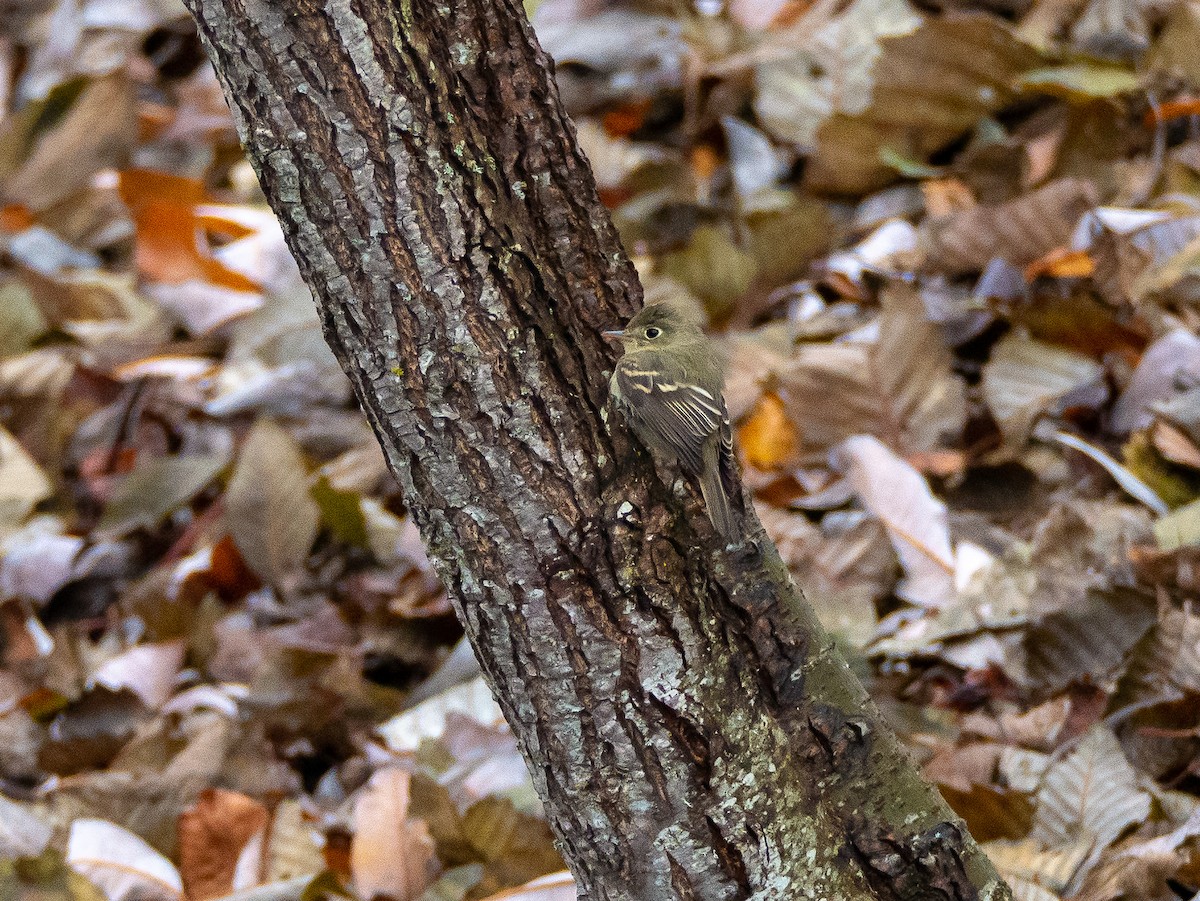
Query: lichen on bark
[[692, 731]]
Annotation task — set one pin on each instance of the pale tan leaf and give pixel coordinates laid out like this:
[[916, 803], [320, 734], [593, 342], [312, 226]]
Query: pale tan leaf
[[428, 719], [754, 14], [96, 133], [120, 863], [1021, 769], [1024, 377], [613, 159], [148, 670], [1026, 860], [23, 833], [270, 512], [212, 834], [830, 72], [291, 845], [554, 887], [1179, 528], [915, 520], [391, 855], [1128, 246], [156, 488], [1024, 890], [1092, 793], [37, 560], [22, 482], [1137, 869]]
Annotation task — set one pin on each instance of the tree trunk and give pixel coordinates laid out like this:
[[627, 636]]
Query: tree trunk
[[692, 731]]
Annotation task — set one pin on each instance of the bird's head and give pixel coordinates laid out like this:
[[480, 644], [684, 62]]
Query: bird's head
[[657, 325]]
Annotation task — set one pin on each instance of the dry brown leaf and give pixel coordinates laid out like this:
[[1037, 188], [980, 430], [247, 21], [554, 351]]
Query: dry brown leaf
[[391, 855], [1025, 377], [899, 388], [1091, 794], [212, 835], [1020, 231], [98, 132], [271, 515], [1166, 663], [930, 87], [1088, 642], [991, 813], [829, 67], [1129, 245], [1139, 868]]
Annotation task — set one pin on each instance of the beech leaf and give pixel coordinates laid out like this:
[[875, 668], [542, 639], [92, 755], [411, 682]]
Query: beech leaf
[[271, 514], [1092, 793]]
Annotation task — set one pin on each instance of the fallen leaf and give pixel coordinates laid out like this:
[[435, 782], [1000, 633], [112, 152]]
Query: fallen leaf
[[156, 488], [554, 887], [929, 87], [915, 520], [271, 515], [123, 866], [767, 437], [148, 670], [1019, 231], [212, 835], [1024, 378], [392, 855], [831, 69], [1091, 794], [22, 483], [1080, 82]]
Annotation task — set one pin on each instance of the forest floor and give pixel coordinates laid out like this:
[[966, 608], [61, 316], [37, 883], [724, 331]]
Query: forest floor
[[953, 256]]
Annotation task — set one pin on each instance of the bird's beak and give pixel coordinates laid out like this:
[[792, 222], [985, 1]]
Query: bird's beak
[[614, 334]]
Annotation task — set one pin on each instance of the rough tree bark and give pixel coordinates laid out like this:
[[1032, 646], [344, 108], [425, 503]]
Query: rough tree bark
[[692, 731]]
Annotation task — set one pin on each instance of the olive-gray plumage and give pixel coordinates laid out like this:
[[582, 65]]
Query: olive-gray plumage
[[668, 385]]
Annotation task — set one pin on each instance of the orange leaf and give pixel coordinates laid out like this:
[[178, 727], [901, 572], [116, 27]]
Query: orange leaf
[[213, 832], [15, 218], [138, 187], [228, 573], [1062, 262], [704, 162], [768, 436], [625, 120], [1172, 109], [172, 235]]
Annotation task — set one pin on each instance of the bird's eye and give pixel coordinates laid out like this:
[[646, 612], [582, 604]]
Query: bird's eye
[[653, 332]]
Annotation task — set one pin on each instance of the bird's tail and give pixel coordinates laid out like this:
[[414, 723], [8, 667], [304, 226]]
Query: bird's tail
[[716, 499]]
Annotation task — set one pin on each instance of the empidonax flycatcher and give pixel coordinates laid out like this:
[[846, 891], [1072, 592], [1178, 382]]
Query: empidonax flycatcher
[[668, 385]]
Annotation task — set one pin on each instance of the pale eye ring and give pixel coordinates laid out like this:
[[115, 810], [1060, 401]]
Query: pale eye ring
[[653, 332]]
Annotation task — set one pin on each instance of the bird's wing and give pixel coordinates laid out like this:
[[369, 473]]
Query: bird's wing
[[679, 413]]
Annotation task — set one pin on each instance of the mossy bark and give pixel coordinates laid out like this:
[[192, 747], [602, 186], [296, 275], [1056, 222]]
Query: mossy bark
[[692, 731]]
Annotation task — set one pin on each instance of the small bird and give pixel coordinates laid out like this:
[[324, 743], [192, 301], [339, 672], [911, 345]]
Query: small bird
[[668, 384]]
